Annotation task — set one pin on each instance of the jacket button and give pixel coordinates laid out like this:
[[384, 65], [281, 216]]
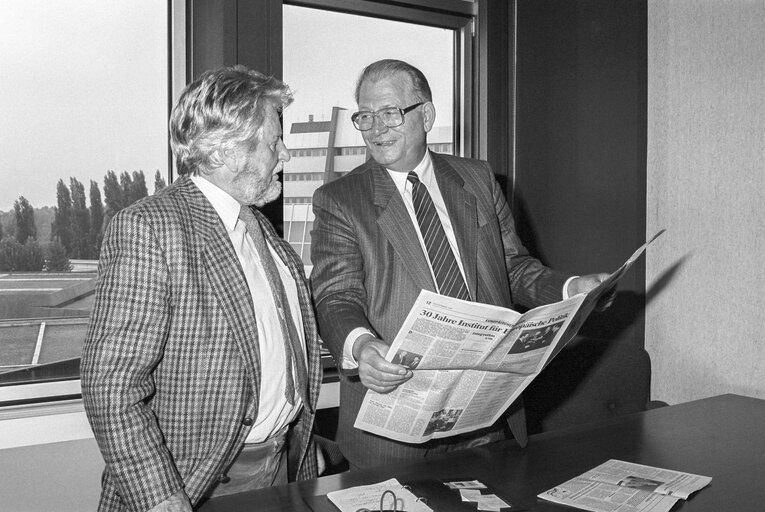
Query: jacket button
[[247, 421], [224, 479]]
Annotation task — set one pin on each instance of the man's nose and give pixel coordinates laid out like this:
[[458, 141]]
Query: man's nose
[[378, 126], [284, 153]]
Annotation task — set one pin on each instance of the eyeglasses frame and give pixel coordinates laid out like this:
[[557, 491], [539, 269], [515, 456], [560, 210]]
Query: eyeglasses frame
[[402, 111]]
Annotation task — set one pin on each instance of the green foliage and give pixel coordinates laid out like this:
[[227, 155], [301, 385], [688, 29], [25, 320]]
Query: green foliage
[[32, 256], [138, 188], [56, 259], [25, 220], [10, 254], [112, 196], [15, 256], [159, 182], [122, 192], [96, 219], [80, 222], [62, 220], [126, 188]]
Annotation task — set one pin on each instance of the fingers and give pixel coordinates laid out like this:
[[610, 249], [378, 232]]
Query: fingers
[[587, 283], [378, 374], [606, 300]]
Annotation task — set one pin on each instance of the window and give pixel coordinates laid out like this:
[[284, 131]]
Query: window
[[85, 94], [322, 60]]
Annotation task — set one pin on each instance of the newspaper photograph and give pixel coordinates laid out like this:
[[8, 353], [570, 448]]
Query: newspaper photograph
[[626, 487], [470, 361]]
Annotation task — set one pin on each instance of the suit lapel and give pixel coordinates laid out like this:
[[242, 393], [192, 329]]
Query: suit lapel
[[396, 225], [463, 214], [226, 277]]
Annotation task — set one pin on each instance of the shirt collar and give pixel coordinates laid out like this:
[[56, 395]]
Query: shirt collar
[[424, 171], [226, 206]]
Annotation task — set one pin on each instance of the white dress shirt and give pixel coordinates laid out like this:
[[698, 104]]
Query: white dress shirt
[[274, 410]]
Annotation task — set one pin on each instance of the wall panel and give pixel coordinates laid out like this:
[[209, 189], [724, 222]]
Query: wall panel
[[706, 185]]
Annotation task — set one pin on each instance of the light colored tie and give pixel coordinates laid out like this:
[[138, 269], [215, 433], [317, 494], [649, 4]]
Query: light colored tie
[[448, 276], [292, 346]]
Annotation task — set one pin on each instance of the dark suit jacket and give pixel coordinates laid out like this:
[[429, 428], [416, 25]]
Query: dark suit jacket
[[171, 363], [369, 268]]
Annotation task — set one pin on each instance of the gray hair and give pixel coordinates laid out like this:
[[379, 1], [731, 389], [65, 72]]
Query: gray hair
[[387, 67], [221, 109]]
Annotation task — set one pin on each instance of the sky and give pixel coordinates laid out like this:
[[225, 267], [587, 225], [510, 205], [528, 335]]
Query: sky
[[84, 84], [83, 90], [324, 52]]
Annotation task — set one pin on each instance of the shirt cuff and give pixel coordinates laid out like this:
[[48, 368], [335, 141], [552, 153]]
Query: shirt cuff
[[349, 362], [565, 286]]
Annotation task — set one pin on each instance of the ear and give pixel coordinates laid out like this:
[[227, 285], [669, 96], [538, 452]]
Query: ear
[[428, 115], [225, 156]]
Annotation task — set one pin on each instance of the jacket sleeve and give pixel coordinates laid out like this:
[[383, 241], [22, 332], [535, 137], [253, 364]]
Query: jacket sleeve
[[122, 349], [532, 284], [337, 277]]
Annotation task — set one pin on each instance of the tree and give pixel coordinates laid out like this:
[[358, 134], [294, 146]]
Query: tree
[[126, 186], [61, 229], [80, 221], [159, 182], [96, 219], [138, 188], [32, 258], [15, 256], [56, 259], [1, 228], [10, 254], [25, 220], [113, 196]]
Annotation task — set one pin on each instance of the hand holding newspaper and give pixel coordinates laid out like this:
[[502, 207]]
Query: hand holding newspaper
[[471, 361], [623, 486]]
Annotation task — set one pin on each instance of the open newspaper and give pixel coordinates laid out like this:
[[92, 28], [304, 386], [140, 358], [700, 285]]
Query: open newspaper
[[471, 361], [626, 487]]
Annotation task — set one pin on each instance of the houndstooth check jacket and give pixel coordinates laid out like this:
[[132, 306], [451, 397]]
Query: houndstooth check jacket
[[369, 268], [171, 364]]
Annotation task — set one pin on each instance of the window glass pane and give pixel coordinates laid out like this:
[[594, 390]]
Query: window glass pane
[[84, 100], [324, 52], [296, 231]]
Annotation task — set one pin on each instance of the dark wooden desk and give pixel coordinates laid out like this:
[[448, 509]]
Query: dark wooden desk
[[721, 437]]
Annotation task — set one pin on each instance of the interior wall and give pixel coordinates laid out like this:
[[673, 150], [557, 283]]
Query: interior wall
[[579, 181], [705, 184]]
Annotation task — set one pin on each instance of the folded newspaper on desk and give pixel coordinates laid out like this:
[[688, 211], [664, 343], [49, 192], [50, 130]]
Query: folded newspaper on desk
[[623, 486], [471, 361]]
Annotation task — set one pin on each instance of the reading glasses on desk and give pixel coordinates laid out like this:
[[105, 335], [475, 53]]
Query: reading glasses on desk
[[395, 501]]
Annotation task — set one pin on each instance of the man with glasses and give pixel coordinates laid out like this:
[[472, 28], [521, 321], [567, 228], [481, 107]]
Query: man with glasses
[[409, 219]]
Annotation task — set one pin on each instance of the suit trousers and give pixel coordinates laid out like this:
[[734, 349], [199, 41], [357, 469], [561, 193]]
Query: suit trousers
[[257, 465]]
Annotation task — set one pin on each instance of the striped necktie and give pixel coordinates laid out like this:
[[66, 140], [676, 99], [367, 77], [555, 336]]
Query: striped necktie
[[292, 347], [445, 269]]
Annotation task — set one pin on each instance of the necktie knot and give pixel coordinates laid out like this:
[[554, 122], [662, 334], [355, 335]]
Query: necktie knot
[[249, 219], [413, 178]]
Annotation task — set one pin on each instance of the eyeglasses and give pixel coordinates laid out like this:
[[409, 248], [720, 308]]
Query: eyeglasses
[[390, 117], [382, 497]]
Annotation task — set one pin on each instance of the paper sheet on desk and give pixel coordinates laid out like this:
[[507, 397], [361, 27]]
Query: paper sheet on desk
[[368, 496]]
